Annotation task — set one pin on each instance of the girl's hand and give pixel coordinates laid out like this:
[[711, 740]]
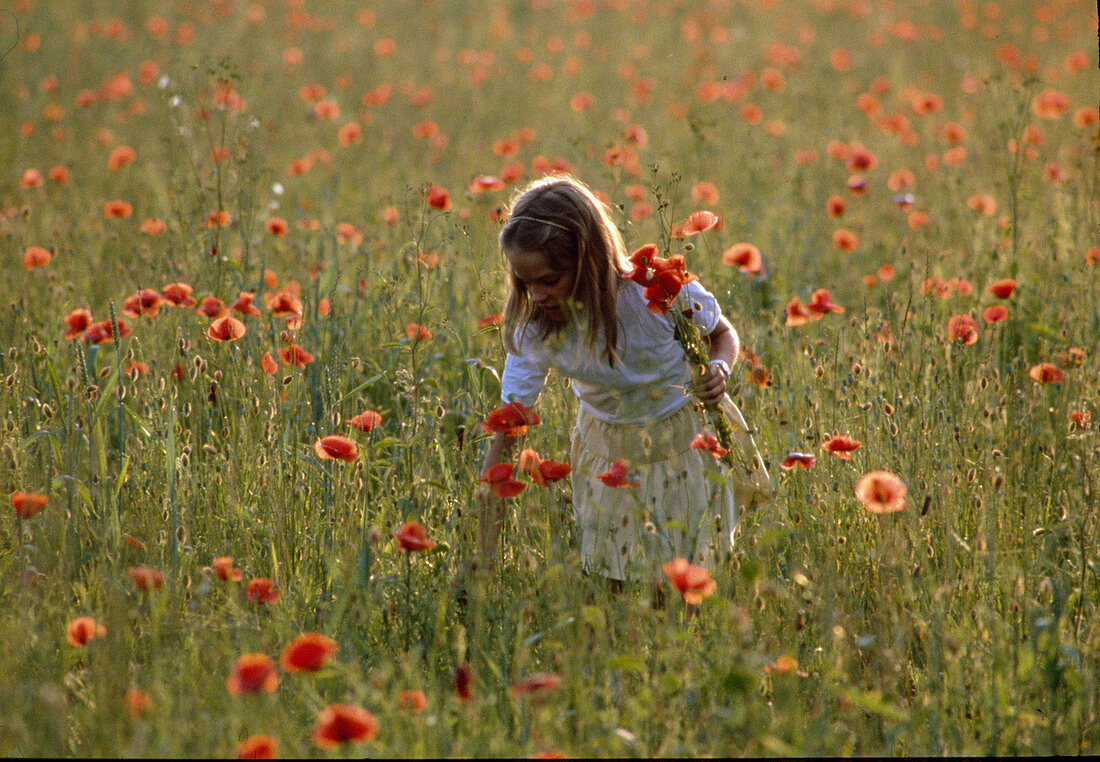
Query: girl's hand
[[710, 385]]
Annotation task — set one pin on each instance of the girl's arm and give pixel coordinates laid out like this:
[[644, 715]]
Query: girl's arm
[[491, 518], [722, 344]]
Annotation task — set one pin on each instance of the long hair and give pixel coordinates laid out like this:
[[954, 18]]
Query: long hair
[[560, 217]]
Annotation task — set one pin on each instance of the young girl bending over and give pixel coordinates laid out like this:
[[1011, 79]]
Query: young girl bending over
[[570, 309]]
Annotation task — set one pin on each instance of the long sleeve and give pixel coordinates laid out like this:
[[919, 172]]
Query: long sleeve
[[523, 380]]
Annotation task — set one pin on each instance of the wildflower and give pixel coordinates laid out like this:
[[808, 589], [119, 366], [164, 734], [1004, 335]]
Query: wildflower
[[336, 447], [1050, 104], [366, 420], [268, 364], [542, 470], [982, 203], [782, 665], [244, 304], [745, 257], [512, 419], [1080, 418], [616, 475], [258, 747], [696, 222], [792, 459], [705, 440], [693, 582], [821, 301], [881, 492], [179, 294], [226, 329], [489, 320], [662, 278], [153, 226], [1047, 373], [137, 702], [463, 682], [145, 577], [438, 198], [845, 240], [36, 256], [276, 226], [483, 183], [103, 332], [344, 723], [223, 567], [82, 629], [120, 157], [117, 209], [962, 329], [413, 536], [995, 313], [263, 590], [797, 314], [308, 652], [500, 481], [253, 673], [417, 331], [536, 685], [296, 356], [703, 193], [27, 504], [283, 302], [412, 701], [212, 307], [835, 206], [840, 446]]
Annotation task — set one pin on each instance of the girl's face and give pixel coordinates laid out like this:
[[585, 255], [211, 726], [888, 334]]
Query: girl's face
[[547, 287]]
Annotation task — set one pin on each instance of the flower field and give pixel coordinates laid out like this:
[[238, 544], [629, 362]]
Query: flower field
[[251, 354]]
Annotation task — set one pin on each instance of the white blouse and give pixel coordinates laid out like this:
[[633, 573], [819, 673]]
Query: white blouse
[[651, 378]]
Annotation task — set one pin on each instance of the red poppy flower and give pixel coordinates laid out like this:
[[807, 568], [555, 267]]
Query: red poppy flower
[[792, 459], [821, 301], [1047, 373], [464, 682], [696, 222], [78, 322], [705, 440], [797, 314], [417, 331], [512, 419], [995, 313], [616, 475], [366, 420], [27, 504], [137, 702], [145, 302], [537, 684], [308, 652], [82, 629], [1002, 289], [845, 240], [835, 206], [413, 536], [212, 307], [226, 328], [1050, 104], [258, 747], [244, 304], [223, 567], [36, 256], [840, 446], [268, 364], [881, 492], [103, 332], [500, 481], [253, 673], [263, 590], [412, 701], [438, 197], [117, 209], [745, 257], [179, 294], [782, 665], [982, 203], [344, 723], [962, 329], [488, 320], [336, 447], [483, 183], [295, 356], [145, 577], [693, 582]]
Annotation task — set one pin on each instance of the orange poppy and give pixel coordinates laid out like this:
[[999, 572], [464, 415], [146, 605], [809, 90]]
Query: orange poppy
[[120, 157], [483, 183], [258, 747], [840, 446], [223, 567], [845, 240], [413, 536], [253, 673], [32, 178], [537, 684], [500, 481], [344, 723], [1002, 289], [145, 302], [276, 226], [103, 332], [982, 203], [295, 356], [745, 257], [995, 313], [268, 364], [860, 159], [696, 222], [137, 702], [1050, 104], [78, 322], [244, 304], [797, 314], [792, 459], [153, 226], [283, 302], [705, 440], [835, 206], [417, 331], [512, 419], [226, 329], [962, 329], [212, 307], [438, 197], [83, 629], [308, 652], [1047, 373], [489, 320], [616, 475], [821, 301], [366, 420], [36, 256], [263, 590], [179, 294], [412, 701], [693, 582], [702, 193], [117, 209], [336, 447], [145, 577], [782, 665], [881, 492]]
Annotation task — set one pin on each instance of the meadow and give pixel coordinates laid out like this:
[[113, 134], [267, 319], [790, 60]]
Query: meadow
[[252, 293]]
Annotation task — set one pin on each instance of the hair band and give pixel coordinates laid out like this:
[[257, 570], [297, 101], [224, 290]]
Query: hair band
[[541, 221]]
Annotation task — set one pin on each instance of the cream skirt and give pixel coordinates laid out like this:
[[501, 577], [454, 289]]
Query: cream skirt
[[627, 533]]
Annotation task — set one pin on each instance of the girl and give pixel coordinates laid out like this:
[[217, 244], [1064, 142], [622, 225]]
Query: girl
[[569, 308]]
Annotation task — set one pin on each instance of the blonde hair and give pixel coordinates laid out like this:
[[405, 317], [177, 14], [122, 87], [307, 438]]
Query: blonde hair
[[561, 218]]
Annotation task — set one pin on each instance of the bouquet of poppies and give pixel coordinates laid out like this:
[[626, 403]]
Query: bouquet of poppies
[[663, 278]]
